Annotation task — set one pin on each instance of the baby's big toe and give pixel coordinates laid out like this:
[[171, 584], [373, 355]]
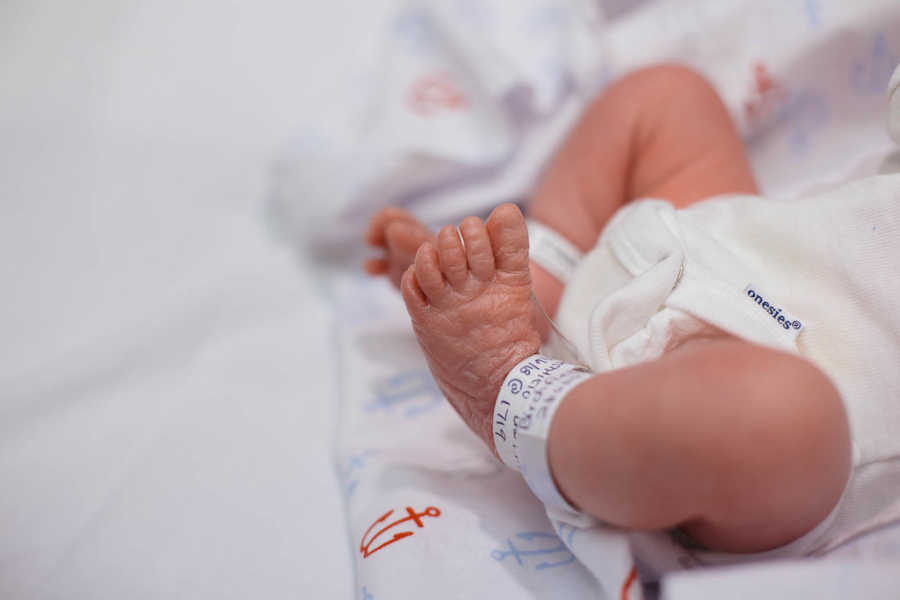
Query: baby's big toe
[[509, 239]]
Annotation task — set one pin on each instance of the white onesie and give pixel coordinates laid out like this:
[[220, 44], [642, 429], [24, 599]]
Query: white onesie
[[819, 277]]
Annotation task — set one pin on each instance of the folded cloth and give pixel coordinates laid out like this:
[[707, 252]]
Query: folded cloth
[[453, 96], [455, 106]]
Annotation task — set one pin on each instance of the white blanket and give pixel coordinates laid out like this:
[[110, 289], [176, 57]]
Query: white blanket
[[167, 381], [157, 439]]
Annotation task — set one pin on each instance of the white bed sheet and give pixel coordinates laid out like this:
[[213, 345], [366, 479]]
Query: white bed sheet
[[166, 376], [165, 382]]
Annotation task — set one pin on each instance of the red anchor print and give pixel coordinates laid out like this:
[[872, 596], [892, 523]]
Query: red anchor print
[[625, 592], [366, 547], [767, 93], [433, 93]]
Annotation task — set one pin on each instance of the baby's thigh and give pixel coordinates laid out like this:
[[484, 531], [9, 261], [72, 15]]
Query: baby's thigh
[[686, 147], [658, 132], [751, 424]]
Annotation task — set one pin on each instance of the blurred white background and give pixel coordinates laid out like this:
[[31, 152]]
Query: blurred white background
[[114, 113], [155, 342]]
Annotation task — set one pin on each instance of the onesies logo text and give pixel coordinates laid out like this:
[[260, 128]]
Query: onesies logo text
[[774, 311]]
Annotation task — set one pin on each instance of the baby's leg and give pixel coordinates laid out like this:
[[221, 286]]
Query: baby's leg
[[697, 438], [744, 447], [658, 132]]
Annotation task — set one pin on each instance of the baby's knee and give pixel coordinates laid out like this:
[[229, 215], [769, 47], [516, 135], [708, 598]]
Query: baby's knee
[[672, 86], [664, 89], [674, 78], [682, 142], [798, 416]]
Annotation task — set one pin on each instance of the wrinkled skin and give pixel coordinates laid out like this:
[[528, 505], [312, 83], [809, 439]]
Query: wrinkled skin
[[450, 287]]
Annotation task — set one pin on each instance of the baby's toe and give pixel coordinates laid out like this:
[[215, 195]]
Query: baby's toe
[[478, 248], [376, 235], [403, 238], [452, 256], [509, 240], [376, 266], [412, 294], [428, 273]]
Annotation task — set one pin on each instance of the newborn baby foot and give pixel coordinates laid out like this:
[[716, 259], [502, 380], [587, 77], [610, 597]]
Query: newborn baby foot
[[400, 234], [471, 310]]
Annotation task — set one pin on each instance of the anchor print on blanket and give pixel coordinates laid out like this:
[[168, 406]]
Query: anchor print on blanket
[[435, 93], [813, 11], [804, 112], [366, 547], [350, 470], [870, 73], [546, 550], [767, 95], [413, 389]]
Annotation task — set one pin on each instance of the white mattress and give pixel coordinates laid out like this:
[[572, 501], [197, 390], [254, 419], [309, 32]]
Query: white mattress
[[167, 368], [166, 388]]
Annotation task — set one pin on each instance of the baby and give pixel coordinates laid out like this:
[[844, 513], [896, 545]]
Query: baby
[[742, 446]]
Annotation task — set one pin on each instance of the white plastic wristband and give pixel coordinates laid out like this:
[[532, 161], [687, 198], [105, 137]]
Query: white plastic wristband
[[552, 251], [528, 399]]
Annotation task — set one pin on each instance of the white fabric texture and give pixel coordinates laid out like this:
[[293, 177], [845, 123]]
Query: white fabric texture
[[158, 438], [788, 580], [459, 97], [804, 81]]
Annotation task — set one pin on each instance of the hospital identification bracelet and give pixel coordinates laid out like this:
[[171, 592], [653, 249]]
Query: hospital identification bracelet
[[524, 410], [552, 251]]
